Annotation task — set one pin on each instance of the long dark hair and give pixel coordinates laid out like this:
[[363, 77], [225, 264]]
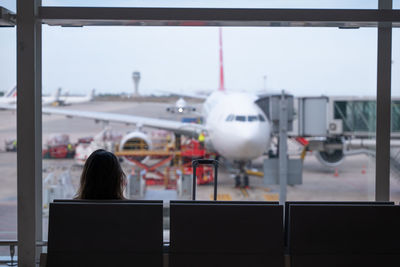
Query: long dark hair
[[102, 177]]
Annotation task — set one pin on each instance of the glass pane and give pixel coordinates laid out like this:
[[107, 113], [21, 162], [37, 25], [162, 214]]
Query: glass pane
[[8, 135], [9, 4], [394, 147], [339, 65], [396, 4], [165, 78], [364, 4]]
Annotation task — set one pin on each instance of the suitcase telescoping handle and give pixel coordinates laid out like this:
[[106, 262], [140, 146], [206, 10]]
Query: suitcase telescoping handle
[[195, 164]]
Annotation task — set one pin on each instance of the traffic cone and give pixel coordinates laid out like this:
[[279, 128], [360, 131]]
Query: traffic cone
[[363, 171], [336, 174]]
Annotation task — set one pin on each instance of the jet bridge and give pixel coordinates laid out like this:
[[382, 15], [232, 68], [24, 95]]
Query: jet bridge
[[7, 18], [358, 116], [335, 126], [349, 117], [279, 110], [331, 127]]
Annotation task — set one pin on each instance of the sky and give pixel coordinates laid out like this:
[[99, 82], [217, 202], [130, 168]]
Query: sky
[[303, 61]]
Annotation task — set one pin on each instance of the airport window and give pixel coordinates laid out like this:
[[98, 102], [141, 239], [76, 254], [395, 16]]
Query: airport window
[[9, 4], [8, 136], [332, 136], [395, 115], [351, 119], [396, 4]]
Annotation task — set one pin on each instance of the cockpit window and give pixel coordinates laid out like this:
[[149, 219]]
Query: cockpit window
[[252, 118], [230, 117], [241, 118]]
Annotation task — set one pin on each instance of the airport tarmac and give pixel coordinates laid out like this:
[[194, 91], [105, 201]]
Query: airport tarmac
[[353, 180]]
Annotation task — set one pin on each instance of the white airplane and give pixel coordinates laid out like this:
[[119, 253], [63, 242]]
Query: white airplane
[[10, 98], [52, 99], [68, 99], [181, 107]]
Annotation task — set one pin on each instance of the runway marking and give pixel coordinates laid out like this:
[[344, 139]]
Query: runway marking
[[271, 197], [223, 197]]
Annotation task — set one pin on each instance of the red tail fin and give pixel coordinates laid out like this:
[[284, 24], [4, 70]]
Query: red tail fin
[[221, 64]]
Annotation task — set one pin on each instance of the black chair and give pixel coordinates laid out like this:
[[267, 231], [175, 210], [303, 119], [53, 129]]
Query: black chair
[[344, 235], [105, 234], [218, 234], [288, 203]]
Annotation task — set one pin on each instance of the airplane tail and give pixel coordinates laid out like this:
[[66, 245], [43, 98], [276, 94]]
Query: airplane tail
[[56, 94], [12, 93], [221, 63], [91, 94]]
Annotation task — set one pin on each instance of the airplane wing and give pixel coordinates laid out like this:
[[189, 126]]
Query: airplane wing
[[191, 95], [174, 126]]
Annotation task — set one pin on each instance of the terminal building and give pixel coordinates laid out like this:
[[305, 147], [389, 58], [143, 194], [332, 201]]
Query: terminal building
[[214, 232]]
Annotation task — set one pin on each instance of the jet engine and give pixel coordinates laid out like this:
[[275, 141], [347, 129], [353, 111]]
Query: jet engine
[[135, 141], [332, 154]]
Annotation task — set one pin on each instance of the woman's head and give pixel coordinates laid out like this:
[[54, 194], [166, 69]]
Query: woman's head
[[102, 177]]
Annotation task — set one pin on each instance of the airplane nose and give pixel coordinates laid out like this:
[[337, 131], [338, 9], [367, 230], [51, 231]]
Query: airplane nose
[[251, 143], [242, 141]]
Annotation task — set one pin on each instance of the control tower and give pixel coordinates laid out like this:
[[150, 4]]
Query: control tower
[[136, 80]]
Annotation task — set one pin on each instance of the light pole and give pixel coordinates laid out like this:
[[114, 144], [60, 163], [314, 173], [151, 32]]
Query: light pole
[[265, 82]]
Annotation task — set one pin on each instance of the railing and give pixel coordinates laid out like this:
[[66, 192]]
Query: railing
[[12, 244], [14, 261]]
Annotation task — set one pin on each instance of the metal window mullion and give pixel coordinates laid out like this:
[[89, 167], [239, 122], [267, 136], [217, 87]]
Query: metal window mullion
[[29, 131], [218, 14], [383, 110]]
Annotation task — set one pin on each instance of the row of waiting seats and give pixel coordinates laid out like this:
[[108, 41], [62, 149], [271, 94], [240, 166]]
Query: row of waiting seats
[[208, 233]]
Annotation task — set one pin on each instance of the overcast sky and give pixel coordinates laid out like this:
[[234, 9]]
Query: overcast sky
[[305, 61]]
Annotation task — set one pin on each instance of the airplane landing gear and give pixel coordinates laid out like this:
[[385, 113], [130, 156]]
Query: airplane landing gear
[[246, 181], [237, 181], [242, 173]]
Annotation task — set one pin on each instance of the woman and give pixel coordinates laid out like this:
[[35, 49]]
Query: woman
[[102, 177]]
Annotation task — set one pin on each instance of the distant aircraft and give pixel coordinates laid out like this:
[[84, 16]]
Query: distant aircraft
[[68, 99], [10, 97], [52, 99], [181, 107]]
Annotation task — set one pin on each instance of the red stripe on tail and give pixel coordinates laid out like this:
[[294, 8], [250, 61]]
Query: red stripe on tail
[[221, 63]]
